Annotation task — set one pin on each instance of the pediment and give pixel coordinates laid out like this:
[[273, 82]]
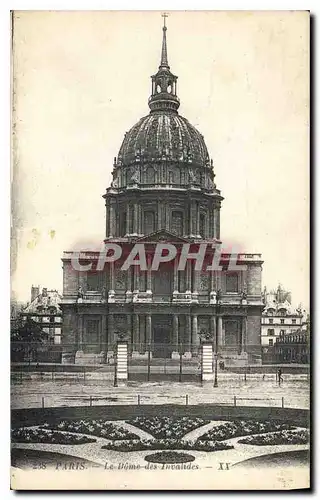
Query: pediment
[[162, 236]]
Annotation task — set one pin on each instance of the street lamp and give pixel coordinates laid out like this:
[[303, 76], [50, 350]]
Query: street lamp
[[215, 384]]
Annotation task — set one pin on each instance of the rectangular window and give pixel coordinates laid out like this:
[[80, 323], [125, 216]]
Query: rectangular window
[[271, 321], [271, 342], [94, 281], [294, 321], [270, 331], [282, 321], [231, 282]]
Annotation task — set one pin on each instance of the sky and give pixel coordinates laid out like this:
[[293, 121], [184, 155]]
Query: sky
[[82, 79]]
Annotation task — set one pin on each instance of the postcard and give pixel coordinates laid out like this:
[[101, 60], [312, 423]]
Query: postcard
[[160, 317]]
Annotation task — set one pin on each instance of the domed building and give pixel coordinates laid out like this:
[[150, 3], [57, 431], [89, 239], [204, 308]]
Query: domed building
[[163, 190]]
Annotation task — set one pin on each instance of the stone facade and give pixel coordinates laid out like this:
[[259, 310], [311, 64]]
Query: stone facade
[[163, 190]]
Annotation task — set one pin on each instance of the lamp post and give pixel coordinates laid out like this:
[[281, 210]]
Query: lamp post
[[215, 383]]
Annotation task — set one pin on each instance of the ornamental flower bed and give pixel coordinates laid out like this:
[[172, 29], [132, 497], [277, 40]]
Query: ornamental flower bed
[[243, 428], [166, 444], [167, 427], [169, 457], [25, 435], [100, 428], [300, 436]]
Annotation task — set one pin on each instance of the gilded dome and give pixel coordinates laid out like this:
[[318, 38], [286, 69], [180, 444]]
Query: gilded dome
[[163, 134]]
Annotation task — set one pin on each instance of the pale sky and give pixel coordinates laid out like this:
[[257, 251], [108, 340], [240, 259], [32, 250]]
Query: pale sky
[[82, 79]]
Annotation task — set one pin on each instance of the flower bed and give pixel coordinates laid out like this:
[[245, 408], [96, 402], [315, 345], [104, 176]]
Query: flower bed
[[169, 457], [167, 427], [300, 436], [100, 428], [166, 444], [243, 428], [25, 435]]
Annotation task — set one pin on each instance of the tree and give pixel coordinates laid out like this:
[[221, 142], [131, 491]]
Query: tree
[[26, 337]]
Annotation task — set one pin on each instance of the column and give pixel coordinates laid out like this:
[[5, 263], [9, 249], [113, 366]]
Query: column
[[103, 339], [80, 332], [107, 220], [188, 333], [149, 276], [175, 336], [140, 229], [148, 329], [111, 292], [128, 220], [195, 337], [175, 276], [219, 331], [167, 216], [136, 279], [160, 224], [135, 332], [196, 278], [135, 219], [110, 332], [112, 219], [244, 334], [217, 222], [213, 331], [129, 327], [190, 220], [197, 210], [188, 277]]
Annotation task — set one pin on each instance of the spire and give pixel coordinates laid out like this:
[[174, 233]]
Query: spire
[[164, 83], [164, 55]]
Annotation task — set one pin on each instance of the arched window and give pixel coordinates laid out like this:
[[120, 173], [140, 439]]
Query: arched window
[[150, 177], [202, 225], [123, 223], [149, 222], [177, 222]]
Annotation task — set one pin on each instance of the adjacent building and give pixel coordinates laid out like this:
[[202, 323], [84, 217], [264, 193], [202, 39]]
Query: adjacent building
[[44, 309]]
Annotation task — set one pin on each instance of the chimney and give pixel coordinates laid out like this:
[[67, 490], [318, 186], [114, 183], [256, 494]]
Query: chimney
[[35, 290]]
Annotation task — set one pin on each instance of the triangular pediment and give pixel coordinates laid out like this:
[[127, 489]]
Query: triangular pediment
[[162, 236]]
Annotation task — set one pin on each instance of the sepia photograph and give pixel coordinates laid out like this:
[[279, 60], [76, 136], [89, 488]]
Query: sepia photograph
[[160, 250]]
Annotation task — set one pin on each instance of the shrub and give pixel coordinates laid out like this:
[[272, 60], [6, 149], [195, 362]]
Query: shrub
[[25, 435], [280, 437], [100, 428], [166, 444], [167, 427], [169, 457], [243, 428]]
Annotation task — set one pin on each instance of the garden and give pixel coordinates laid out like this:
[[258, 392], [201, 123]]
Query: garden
[[168, 436], [99, 428], [38, 435]]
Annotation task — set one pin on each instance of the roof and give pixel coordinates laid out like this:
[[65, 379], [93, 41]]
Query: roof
[[44, 301]]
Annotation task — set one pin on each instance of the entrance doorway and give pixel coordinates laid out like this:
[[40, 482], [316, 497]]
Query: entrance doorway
[[162, 327]]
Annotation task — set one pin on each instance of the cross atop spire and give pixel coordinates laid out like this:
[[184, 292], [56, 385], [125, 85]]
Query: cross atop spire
[[164, 55], [164, 15]]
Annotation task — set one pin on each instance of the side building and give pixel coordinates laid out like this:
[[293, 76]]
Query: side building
[[44, 309]]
